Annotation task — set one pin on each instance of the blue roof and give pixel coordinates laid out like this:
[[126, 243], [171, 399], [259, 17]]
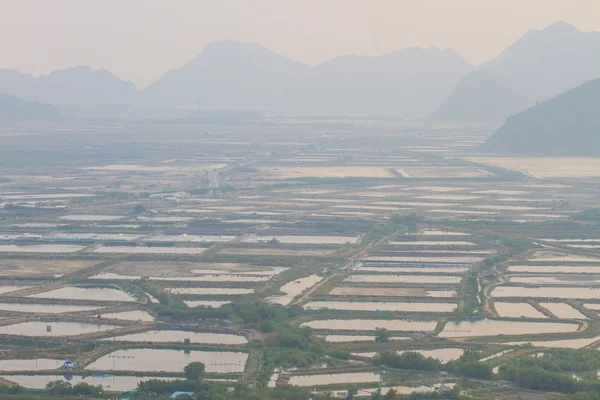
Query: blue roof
[[174, 395]]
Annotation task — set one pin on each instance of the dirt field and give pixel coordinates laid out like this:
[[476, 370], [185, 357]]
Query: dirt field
[[21, 268]]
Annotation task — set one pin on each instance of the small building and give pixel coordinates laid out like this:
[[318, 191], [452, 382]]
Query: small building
[[443, 389], [342, 394], [174, 395], [68, 365]]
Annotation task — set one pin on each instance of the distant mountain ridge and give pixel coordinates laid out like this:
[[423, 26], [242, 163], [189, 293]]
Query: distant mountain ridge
[[13, 109], [539, 66], [233, 74], [411, 83], [566, 125], [77, 86]]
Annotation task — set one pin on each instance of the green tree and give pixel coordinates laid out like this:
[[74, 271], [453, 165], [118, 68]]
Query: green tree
[[382, 335], [59, 387], [194, 371]]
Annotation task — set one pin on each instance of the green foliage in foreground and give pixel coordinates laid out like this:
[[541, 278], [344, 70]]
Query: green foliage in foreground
[[469, 366], [81, 389], [407, 360], [160, 389], [554, 371], [194, 371]]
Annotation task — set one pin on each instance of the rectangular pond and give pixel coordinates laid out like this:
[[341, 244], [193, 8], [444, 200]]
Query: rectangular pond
[[371, 324], [44, 329], [210, 291], [332, 379], [418, 270], [37, 364], [546, 292], [85, 293], [444, 355], [149, 250], [164, 360], [563, 310], [517, 310], [135, 315], [380, 306], [487, 327], [389, 292], [166, 336], [404, 279], [44, 308], [40, 248], [549, 269]]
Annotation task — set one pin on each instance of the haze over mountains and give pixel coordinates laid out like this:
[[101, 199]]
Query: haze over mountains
[[13, 109], [540, 65], [410, 83], [77, 86], [231, 74], [566, 125]]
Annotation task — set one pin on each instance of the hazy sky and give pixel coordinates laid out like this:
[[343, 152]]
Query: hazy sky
[[139, 40]]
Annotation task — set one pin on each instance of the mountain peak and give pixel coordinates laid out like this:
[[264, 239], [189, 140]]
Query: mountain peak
[[562, 28]]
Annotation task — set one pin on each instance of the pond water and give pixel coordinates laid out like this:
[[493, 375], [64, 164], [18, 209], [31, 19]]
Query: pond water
[[136, 315], [563, 310], [41, 248], [294, 288], [330, 379], [371, 324], [80, 293], [109, 383], [427, 270], [30, 365], [436, 243], [444, 355], [145, 360], [210, 291], [567, 269], [390, 292], [487, 327], [44, 308], [566, 343], [404, 279], [380, 306], [517, 310], [36, 328], [180, 336], [149, 250], [546, 292], [570, 280], [298, 239], [11, 288], [214, 278], [357, 338]]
